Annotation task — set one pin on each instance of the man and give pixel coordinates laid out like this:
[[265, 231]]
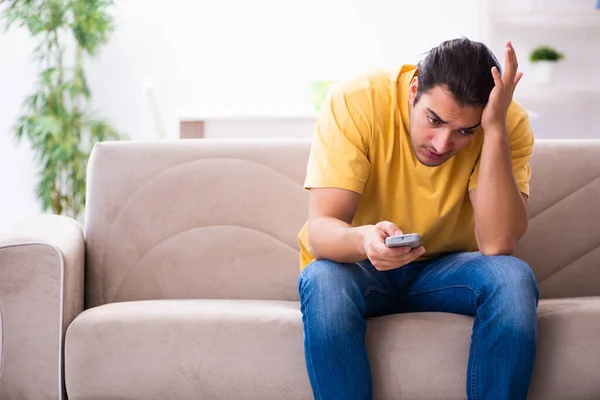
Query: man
[[439, 149]]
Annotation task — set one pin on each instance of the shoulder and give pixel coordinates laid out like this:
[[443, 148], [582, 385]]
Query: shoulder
[[366, 95], [374, 84], [516, 116], [518, 126], [516, 112]]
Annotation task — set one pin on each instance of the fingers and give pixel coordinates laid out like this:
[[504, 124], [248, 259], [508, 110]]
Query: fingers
[[497, 78], [510, 64], [380, 250], [387, 258], [412, 255], [389, 228], [409, 257], [518, 78]]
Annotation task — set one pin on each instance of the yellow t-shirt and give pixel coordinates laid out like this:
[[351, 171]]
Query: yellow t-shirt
[[362, 143]]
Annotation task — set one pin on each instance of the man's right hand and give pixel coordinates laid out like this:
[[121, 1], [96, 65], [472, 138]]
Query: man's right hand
[[386, 258]]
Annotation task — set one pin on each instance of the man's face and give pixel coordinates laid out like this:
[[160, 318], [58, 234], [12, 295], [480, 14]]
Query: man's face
[[439, 127]]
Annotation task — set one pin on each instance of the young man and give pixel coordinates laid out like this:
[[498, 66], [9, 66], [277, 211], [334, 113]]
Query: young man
[[439, 149]]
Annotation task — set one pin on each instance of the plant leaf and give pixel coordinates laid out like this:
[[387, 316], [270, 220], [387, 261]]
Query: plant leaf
[[60, 132]]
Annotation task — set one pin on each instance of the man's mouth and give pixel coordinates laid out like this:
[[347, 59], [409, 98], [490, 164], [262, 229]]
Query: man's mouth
[[433, 155]]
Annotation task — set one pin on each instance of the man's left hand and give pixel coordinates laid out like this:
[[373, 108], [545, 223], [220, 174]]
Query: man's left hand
[[494, 113]]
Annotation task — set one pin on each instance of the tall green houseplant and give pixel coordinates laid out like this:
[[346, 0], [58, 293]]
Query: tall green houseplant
[[56, 118]]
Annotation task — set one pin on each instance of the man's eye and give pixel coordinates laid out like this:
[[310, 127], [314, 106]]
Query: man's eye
[[432, 120], [467, 133]]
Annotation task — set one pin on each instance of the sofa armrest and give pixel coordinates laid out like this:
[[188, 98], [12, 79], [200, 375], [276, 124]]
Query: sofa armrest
[[41, 292]]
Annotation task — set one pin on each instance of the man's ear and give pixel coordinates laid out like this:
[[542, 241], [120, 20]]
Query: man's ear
[[412, 90]]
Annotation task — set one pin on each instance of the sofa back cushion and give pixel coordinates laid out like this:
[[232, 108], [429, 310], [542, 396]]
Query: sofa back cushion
[[219, 219], [562, 243], [194, 219]]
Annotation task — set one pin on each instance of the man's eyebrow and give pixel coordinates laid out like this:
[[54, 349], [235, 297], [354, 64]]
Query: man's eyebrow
[[444, 122], [436, 116]]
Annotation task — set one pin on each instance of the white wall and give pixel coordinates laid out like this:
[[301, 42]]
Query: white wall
[[230, 54], [16, 171], [236, 54]]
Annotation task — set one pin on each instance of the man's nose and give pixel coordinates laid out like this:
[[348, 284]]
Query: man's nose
[[441, 141]]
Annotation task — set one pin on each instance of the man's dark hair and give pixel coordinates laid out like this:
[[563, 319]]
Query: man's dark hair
[[463, 66]]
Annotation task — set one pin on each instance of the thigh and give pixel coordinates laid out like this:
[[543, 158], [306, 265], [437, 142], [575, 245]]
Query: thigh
[[329, 285], [460, 282]]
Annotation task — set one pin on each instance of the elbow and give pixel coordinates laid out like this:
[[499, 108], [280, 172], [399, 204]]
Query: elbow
[[497, 251], [317, 249], [499, 248], [314, 252], [501, 245], [314, 246]]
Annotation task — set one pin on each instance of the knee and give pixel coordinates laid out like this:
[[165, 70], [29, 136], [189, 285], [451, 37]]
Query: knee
[[510, 274], [511, 282], [329, 284]]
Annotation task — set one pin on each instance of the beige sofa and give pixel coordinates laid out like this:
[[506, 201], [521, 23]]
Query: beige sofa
[[191, 266]]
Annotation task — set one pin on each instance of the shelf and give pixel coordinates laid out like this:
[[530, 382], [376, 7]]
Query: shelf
[[247, 115], [550, 18], [558, 92]]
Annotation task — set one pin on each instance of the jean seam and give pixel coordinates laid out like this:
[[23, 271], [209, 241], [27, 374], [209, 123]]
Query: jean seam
[[312, 366], [376, 289], [370, 289], [475, 354], [305, 323], [477, 293]]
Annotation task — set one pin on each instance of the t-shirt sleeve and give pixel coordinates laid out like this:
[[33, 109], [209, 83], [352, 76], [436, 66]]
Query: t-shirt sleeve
[[521, 147], [339, 149]]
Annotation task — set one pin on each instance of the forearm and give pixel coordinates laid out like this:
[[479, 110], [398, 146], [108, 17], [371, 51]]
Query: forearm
[[335, 240], [501, 212]]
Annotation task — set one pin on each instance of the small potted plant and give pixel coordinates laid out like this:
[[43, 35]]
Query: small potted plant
[[544, 59]]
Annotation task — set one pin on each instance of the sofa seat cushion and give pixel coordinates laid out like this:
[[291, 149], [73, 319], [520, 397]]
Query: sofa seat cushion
[[187, 349], [252, 349]]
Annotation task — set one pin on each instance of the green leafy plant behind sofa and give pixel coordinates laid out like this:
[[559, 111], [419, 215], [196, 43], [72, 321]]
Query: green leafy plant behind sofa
[[56, 118]]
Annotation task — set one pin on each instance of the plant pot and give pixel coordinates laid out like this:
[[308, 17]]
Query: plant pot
[[544, 72]]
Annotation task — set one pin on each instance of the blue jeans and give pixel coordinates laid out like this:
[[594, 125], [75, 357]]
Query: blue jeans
[[499, 291]]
